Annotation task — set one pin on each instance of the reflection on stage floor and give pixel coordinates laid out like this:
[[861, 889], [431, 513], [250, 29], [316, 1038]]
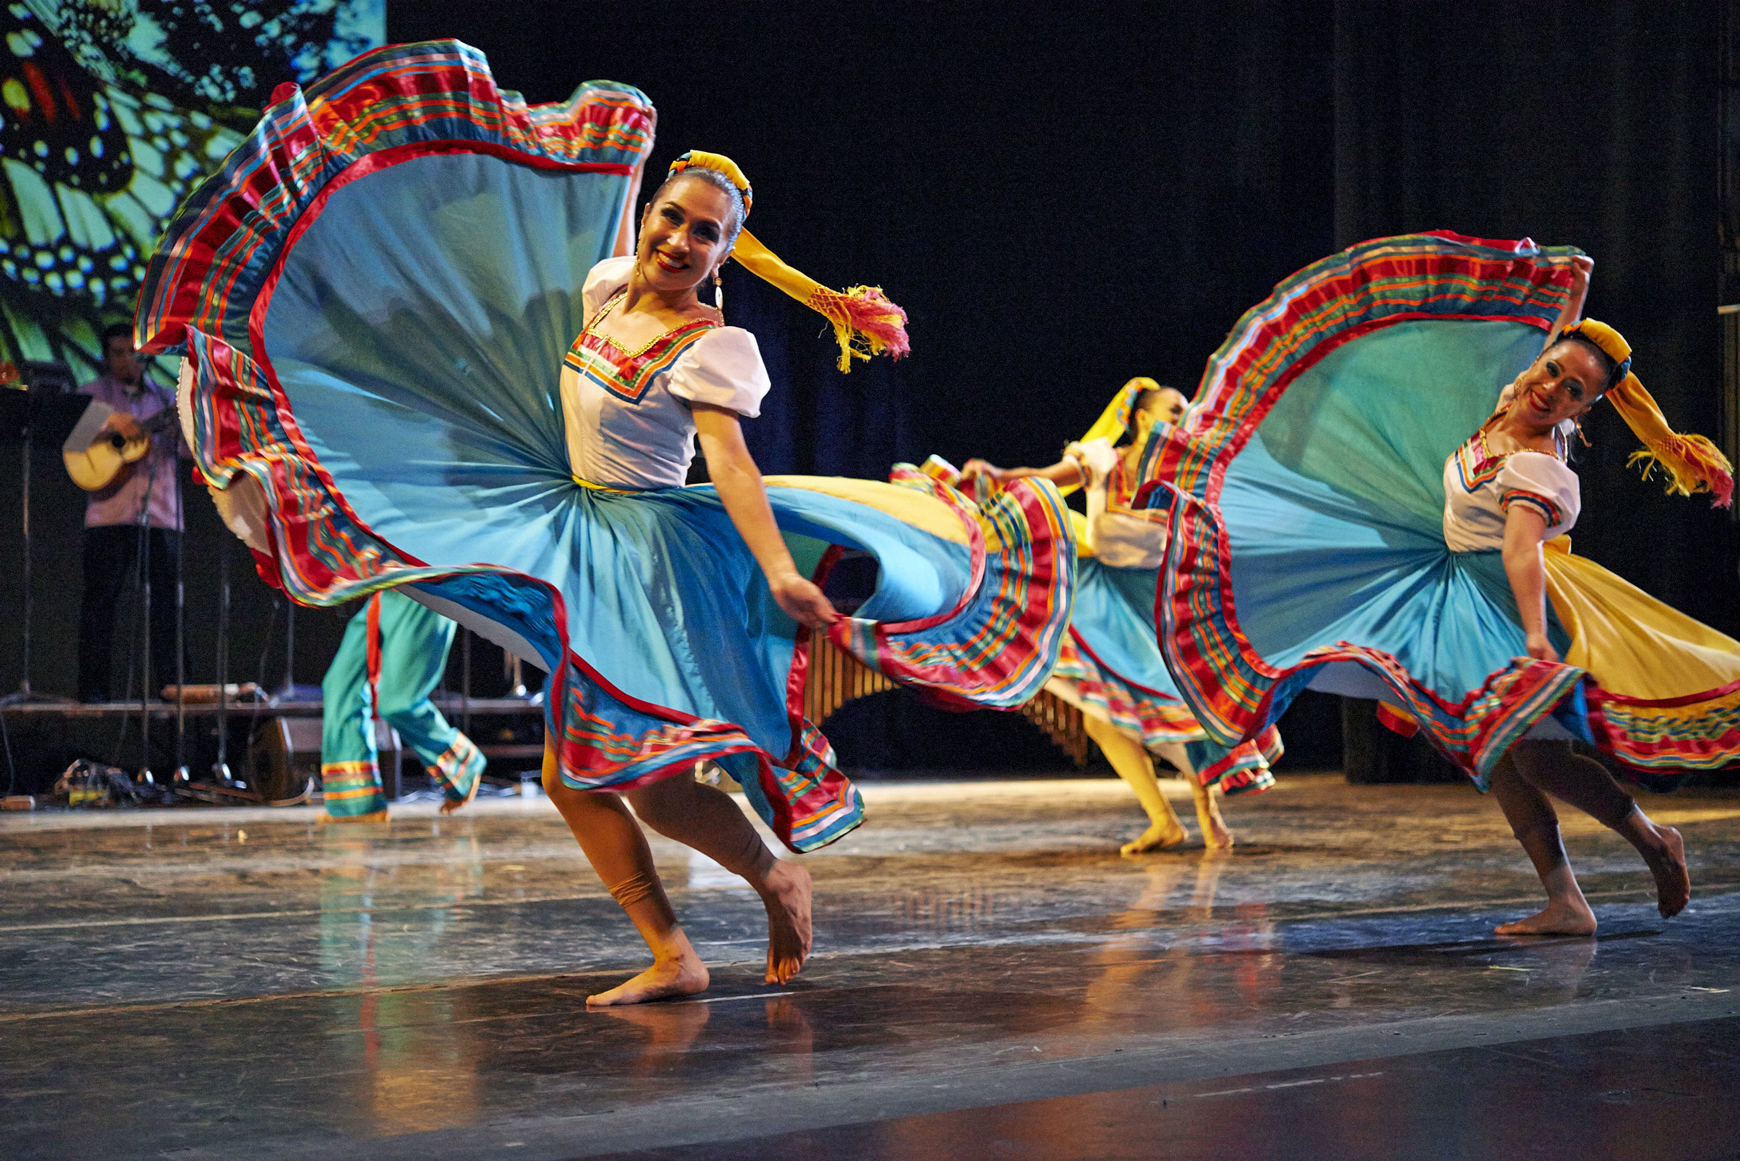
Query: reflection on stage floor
[[990, 980]]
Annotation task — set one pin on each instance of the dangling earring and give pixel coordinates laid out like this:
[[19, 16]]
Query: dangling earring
[[719, 289]]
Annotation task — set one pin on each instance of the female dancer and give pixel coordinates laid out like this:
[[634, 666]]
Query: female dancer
[[379, 295], [1376, 550], [1110, 666]]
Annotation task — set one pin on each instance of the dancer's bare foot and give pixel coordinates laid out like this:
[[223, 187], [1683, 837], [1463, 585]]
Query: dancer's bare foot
[[1156, 838], [786, 895], [1215, 835], [1673, 884], [448, 806], [681, 975], [1560, 917]]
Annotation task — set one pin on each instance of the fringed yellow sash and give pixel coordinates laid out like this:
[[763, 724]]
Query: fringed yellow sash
[[865, 322]]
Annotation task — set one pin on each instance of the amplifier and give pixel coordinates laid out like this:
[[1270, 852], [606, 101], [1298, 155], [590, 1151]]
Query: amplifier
[[284, 756]]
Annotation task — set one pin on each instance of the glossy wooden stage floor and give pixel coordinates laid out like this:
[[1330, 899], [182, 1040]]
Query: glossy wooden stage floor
[[991, 980]]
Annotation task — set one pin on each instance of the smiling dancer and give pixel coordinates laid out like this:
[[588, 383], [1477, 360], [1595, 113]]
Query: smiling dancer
[[379, 296], [1378, 550], [1110, 666]]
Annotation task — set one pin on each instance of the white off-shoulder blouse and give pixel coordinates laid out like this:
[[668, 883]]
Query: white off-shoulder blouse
[[626, 412], [1480, 488]]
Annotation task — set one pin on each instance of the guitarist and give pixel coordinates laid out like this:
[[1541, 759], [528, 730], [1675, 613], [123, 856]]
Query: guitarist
[[139, 513]]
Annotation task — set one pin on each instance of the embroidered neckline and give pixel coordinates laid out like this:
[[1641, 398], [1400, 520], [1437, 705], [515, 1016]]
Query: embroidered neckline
[[623, 373], [1477, 463], [610, 304]]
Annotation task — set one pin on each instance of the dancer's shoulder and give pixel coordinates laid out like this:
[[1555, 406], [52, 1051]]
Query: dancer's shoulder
[[723, 368]]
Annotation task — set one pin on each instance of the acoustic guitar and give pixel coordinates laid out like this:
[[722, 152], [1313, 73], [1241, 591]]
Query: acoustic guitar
[[98, 458]]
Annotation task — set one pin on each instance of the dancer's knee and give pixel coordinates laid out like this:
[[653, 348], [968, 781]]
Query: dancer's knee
[[666, 805], [395, 706], [1557, 769]]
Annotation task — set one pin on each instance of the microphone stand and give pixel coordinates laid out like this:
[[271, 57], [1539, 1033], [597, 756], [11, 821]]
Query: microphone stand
[[181, 776], [144, 774], [221, 769], [146, 667], [287, 692]]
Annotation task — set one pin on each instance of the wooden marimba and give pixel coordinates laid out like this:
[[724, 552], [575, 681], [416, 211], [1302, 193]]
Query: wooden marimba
[[836, 677]]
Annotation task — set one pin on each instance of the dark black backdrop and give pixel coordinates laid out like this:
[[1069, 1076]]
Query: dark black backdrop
[[1588, 124], [1065, 196]]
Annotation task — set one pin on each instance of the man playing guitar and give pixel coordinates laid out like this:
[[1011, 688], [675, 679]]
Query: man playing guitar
[[140, 510]]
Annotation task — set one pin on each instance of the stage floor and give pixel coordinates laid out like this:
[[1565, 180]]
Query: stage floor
[[991, 980]]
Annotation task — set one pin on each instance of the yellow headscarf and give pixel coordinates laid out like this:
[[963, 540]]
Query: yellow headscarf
[[1692, 463], [1114, 421], [865, 322]]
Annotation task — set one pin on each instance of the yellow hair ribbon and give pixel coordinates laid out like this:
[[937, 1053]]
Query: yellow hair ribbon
[[1114, 421], [1692, 462], [865, 322]]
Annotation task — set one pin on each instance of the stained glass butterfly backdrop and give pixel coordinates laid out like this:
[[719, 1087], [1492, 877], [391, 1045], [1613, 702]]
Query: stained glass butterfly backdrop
[[110, 112]]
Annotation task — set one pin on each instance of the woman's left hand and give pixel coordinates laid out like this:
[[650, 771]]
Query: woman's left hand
[[1541, 649], [1581, 267], [976, 468], [802, 601]]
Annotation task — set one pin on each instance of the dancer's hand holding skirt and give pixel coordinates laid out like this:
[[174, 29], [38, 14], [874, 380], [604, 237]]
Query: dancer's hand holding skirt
[[1109, 665]]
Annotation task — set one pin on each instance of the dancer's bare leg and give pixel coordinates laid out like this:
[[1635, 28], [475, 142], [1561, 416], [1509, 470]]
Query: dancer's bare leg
[[1215, 835], [705, 818], [1136, 768], [1586, 784], [617, 850], [1536, 826]]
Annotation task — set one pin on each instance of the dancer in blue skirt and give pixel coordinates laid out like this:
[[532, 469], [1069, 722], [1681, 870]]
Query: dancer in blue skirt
[[1335, 525], [379, 296], [1110, 665]]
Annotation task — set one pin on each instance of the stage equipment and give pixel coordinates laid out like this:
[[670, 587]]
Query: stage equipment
[[35, 380], [284, 759], [143, 557], [181, 774], [221, 768]]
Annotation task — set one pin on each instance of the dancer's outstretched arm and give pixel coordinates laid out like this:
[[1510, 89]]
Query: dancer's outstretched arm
[[1063, 473], [1581, 267], [733, 472], [1524, 567]]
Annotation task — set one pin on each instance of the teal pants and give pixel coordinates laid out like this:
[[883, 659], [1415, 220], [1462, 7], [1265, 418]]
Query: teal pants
[[392, 657]]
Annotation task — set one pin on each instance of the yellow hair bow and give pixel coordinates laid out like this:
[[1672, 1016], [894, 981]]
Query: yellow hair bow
[[1692, 462], [865, 321]]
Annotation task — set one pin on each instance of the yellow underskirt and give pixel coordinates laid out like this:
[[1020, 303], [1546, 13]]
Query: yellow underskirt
[[1629, 642], [926, 513], [1084, 548]]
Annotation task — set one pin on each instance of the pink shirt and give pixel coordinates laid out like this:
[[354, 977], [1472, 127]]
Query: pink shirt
[[155, 473]]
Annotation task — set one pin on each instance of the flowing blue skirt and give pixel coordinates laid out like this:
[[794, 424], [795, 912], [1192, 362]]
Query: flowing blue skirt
[[375, 294], [1306, 488]]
